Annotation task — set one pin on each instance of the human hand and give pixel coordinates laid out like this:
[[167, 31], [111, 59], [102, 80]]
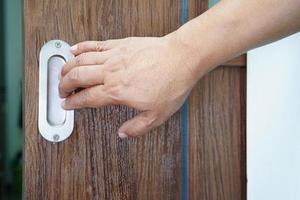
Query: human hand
[[152, 75]]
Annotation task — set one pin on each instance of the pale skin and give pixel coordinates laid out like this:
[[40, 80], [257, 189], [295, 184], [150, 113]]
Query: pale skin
[[156, 74]]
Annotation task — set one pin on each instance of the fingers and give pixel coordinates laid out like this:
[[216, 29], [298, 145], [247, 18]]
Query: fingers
[[94, 46], [90, 58], [88, 98], [81, 77], [138, 125]]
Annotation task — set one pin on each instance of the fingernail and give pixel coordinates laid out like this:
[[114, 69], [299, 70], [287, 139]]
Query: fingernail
[[74, 48], [122, 135]]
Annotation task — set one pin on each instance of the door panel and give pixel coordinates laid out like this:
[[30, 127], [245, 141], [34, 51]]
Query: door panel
[[94, 163], [217, 136], [217, 130]]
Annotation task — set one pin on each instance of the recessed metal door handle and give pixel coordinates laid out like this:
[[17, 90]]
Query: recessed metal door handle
[[55, 124]]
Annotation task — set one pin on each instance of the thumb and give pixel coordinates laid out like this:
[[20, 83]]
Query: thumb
[[137, 126]]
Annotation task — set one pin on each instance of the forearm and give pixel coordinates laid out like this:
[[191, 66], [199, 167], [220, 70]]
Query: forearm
[[235, 26], [155, 75]]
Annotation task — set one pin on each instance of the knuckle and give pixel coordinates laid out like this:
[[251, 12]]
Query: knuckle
[[86, 97], [111, 64], [153, 120], [103, 76], [79, 60], [149, 121], [107, 65], [74, 75], [113, 91], [100, 46], [81, 46], [121, 61]]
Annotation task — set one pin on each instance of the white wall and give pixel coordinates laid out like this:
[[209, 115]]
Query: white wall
[[273, 121]]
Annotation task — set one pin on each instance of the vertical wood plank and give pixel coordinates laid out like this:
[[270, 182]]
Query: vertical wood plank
[[217, 136], [217, 124], [94, 163]]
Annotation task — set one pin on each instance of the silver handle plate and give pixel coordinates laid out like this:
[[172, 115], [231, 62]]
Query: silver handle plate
[[55, 124]]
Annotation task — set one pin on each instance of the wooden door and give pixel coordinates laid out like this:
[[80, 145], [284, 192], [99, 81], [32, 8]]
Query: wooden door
[[217, 130], [94, 163]]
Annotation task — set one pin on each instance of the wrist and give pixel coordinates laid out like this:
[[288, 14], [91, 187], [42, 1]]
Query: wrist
[[197, 57], [183, 60]]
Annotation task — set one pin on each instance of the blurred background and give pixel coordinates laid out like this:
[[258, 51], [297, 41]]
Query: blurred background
[[11, 72]]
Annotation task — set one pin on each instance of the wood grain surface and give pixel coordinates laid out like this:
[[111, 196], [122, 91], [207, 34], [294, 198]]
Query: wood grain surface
[[94, 163], [217, 137]]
